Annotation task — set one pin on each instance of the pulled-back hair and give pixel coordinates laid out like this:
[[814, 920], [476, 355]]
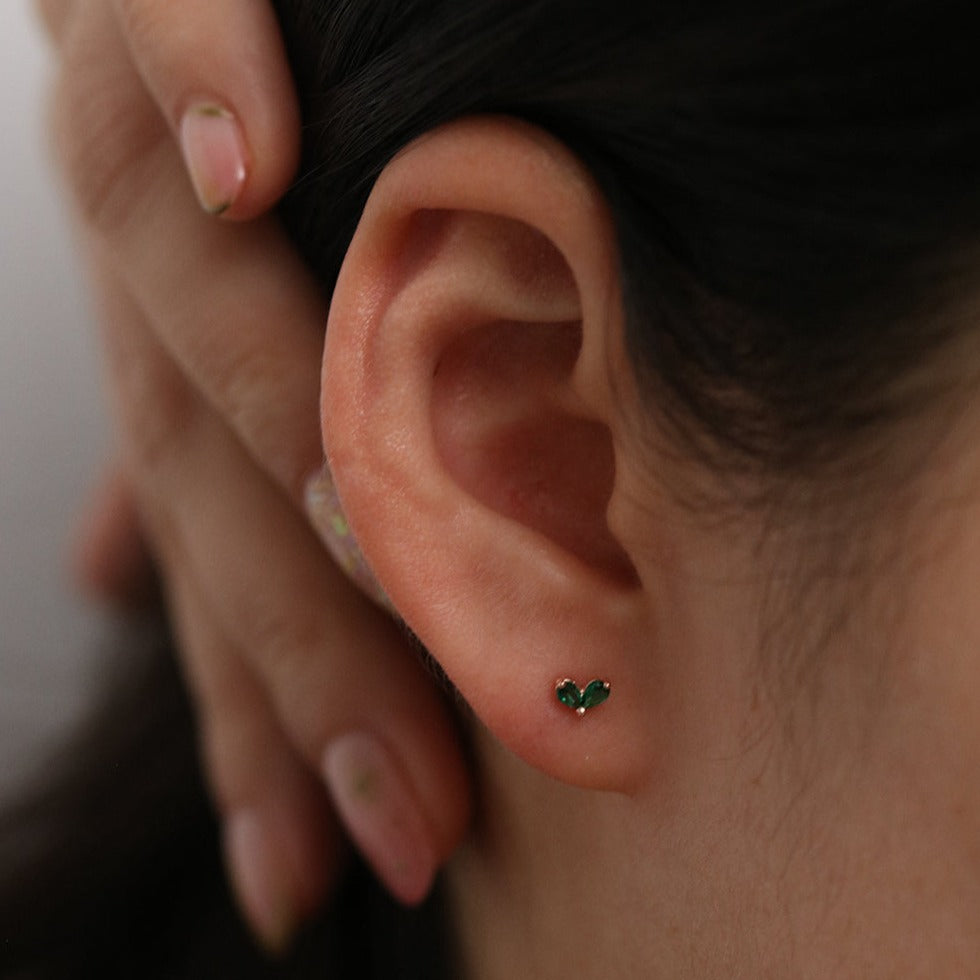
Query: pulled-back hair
[[792, 183], [795, 189]]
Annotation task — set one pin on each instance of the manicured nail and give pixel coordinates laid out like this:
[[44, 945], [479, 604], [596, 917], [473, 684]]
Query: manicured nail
[[264, 892], [381, 814], [214, 152], [325, 513]]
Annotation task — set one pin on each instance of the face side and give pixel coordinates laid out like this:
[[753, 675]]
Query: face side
[[840, 801]]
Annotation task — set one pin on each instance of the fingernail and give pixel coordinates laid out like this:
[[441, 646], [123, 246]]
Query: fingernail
[[214, 152], [381, 814], [326, 514], [264, 892]]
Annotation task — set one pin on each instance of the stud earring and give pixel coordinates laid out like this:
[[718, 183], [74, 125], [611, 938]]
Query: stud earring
[[570, 695]]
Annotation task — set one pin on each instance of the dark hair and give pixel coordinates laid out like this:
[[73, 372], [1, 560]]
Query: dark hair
[[791, 182]]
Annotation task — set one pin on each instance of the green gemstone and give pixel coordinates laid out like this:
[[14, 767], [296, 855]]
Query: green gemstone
[[595, 693], [569, 694]]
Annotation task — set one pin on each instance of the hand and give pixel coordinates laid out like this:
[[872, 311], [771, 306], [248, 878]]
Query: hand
[[214, 334]]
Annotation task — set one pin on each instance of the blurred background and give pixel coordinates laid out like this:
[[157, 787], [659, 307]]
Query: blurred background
[[52, 426]]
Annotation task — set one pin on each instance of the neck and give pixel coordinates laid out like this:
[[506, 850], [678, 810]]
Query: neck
[[691, 878], [553, 880], [828, 832]]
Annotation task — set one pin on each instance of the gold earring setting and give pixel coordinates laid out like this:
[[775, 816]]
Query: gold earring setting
[[572, 696]]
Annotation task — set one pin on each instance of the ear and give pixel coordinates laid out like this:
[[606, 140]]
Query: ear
[[472, 431]]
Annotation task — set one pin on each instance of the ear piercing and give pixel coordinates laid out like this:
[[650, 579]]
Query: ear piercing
[[570, 695]]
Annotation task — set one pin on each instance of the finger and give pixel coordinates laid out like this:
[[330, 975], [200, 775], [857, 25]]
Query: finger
[[279, 841], [218, 71], [277, 821], [53, 15], [235, 306], [110, 556], [344, 686], [348, 691]]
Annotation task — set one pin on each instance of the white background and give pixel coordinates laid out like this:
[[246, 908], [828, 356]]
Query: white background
[[52, 430]]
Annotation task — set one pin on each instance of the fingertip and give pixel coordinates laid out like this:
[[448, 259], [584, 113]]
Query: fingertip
[[264, 893], [279, 871], [238, 165], [382, 814], [238, 169], [215, 155], [110, 560], [229, 56]]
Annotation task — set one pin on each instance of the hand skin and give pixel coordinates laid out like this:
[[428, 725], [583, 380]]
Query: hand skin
[[213, 332]]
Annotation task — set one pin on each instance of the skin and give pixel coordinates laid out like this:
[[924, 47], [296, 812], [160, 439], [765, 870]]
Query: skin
[[734, 861], [213, 333], [712, 819]]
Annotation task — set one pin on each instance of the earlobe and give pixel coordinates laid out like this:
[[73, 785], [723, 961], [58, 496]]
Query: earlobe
[[467, 421]]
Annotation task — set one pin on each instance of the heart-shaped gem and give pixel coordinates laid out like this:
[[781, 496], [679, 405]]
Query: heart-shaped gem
[[570, 695]]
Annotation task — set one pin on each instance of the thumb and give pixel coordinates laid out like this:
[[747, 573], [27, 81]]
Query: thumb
[[219, 74]]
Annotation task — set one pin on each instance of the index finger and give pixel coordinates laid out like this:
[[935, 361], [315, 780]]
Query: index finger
[[219, 74], [235, 306]]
